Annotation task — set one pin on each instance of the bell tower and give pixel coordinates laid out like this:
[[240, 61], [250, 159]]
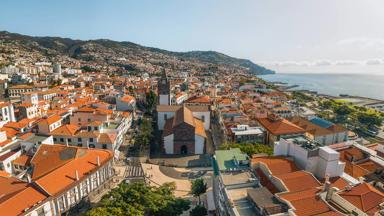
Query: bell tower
[[164, 90]]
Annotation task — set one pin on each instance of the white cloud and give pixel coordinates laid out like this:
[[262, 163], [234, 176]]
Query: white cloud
[[324, 63], [347, 62], [363, 42], [374, 62]]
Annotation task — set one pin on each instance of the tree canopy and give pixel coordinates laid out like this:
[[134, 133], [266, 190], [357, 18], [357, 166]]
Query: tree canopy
[[141, 199], [145, 135], [344, 113], [151, 100], [249, 148], [198, 187], [199, 210]]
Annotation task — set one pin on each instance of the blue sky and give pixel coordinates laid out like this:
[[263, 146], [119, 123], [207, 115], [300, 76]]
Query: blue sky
[[285, 35]]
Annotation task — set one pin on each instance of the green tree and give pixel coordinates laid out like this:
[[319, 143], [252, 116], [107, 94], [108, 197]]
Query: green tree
[[249, 148], [343, 110], [198, 187], [151, 100], [141, 199], [369, 118], [143, 139], [301, 97], [199, 210]]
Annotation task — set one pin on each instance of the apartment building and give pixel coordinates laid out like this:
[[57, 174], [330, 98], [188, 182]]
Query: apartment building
[[60, 178]]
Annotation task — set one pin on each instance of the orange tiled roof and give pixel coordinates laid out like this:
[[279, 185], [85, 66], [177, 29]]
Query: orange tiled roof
[[107, 138], [23, 160], [20, 201], [26, 136], [127, 99], [199, 99], [315, 129], [50, 120], [184, 115], [302, 186], [55, 165], [277, 165], [365, 197], [4, 143], [4, 104], [10, 132], [10, 186], [4, 174], [280, 126], [199, 128], [66, 130], [16, 125], [298, 180], [306, 203], [25, 105]]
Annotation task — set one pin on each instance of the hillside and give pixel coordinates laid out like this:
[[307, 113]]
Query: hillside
[[119, 54]]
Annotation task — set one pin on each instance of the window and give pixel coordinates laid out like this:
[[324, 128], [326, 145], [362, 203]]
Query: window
[[90, 139], [84, 188], [96, 128], [61, 139], [78, 139], [80, 145], [60, 202], [165, 116], [203, 118], [69, 140], [40, 211], [104, 146], [91, 146], [54, 139]]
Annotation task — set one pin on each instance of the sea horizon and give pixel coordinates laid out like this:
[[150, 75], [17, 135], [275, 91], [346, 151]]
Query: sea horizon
[[334, 84]]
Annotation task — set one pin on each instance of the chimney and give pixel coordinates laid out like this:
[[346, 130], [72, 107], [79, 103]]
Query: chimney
[[98, 160], [77, 175], [329, 194], [327, 185]]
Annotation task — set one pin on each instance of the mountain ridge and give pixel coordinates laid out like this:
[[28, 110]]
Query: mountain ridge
[[106, 50]]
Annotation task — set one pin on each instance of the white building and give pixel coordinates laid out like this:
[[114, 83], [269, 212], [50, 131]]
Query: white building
[[247, 134], [7, 113], [321, 161], [30, 97], [61, 178], [184, 134], [165, 112]]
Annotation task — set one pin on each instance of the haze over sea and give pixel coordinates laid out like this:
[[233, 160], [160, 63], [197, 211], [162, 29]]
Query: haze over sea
[[364, 85]]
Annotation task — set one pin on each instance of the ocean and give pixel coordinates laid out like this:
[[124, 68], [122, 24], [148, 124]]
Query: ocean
[[371, 86]]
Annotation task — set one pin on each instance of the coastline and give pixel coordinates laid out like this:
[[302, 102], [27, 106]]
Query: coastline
[[335, 86], [357, 100]]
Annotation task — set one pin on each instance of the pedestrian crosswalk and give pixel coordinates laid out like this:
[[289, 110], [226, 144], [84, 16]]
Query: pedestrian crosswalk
[[134, 172]]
